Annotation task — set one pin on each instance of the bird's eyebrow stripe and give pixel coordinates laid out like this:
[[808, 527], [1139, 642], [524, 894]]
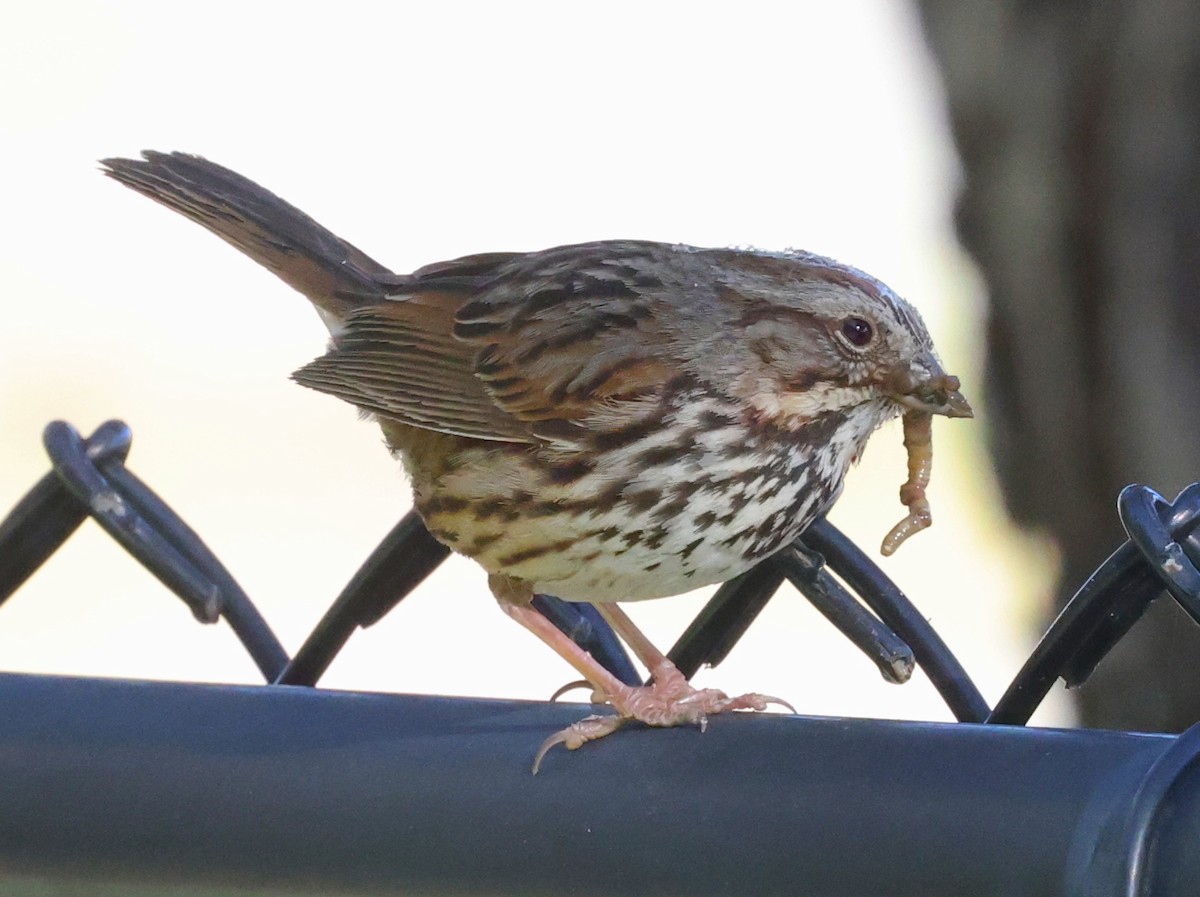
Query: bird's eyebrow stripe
[[758, 313]]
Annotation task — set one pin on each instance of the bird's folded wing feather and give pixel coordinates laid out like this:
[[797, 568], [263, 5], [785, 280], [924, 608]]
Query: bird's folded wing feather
[[400, 360], [546, 351]]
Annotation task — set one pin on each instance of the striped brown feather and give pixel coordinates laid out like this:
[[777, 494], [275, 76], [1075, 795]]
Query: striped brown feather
[[506, 347], [559, 332], [400, 360], [335, 275]]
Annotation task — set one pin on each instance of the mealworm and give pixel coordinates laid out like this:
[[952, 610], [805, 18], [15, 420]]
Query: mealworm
[[918, 442]]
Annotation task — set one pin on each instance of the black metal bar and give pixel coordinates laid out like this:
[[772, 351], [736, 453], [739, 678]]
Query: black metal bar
[[158, 787], [1186, 506], [1142, 512], [235, 605], [893, 607], [583, 624], [725, 618], [804, 570], [1120, 601], [45, 518], [1113, 598], [401, 562], [729, 613], [89, 478], [1120, 575], [145, 527], [34, 529], [1136, 847], [110, 509]]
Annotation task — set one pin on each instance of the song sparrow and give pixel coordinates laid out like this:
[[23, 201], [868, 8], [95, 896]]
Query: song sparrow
[[611, 421]]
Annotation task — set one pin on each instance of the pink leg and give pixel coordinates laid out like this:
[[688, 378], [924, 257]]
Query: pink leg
[[605, 683], [668, 701]]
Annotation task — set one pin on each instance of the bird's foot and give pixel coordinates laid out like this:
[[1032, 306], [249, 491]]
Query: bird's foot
[[669, 700]]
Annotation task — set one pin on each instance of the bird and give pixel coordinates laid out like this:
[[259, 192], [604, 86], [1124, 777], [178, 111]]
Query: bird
[[611, 421]]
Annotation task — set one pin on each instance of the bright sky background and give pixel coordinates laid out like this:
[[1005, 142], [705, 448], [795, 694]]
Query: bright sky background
[[421, 132]]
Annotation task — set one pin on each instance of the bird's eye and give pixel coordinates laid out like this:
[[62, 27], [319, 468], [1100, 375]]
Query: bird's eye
[[858, 332]]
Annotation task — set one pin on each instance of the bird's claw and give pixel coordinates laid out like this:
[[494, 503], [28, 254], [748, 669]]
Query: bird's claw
[[752, 701], [578, 734], [677, 704], [669, 700], [713, 701], [692, 707], [596, 697]]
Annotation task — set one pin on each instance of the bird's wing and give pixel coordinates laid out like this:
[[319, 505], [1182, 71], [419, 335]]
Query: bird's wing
[[533, 348], [400, 360], [562, 338]]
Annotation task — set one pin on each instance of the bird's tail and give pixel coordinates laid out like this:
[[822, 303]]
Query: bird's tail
[[333, 274]]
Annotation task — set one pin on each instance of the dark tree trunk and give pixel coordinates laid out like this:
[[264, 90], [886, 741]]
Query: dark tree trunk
[[1079, 128]]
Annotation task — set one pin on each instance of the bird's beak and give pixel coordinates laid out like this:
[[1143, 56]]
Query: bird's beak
[[936, 393]]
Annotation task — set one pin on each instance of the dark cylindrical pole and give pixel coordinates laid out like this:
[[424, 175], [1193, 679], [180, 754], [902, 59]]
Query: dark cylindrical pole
[[291, 790]]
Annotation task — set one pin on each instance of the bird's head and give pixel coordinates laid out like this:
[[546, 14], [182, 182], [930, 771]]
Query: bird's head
[[817, 338]]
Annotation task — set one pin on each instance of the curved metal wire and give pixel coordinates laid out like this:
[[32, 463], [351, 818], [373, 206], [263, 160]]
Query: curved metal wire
[[89, 479], [1161, 552]]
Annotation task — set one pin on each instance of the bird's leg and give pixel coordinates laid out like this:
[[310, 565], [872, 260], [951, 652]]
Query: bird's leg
[[641, 646], [514, 597], [669, 699], [600, 679]]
